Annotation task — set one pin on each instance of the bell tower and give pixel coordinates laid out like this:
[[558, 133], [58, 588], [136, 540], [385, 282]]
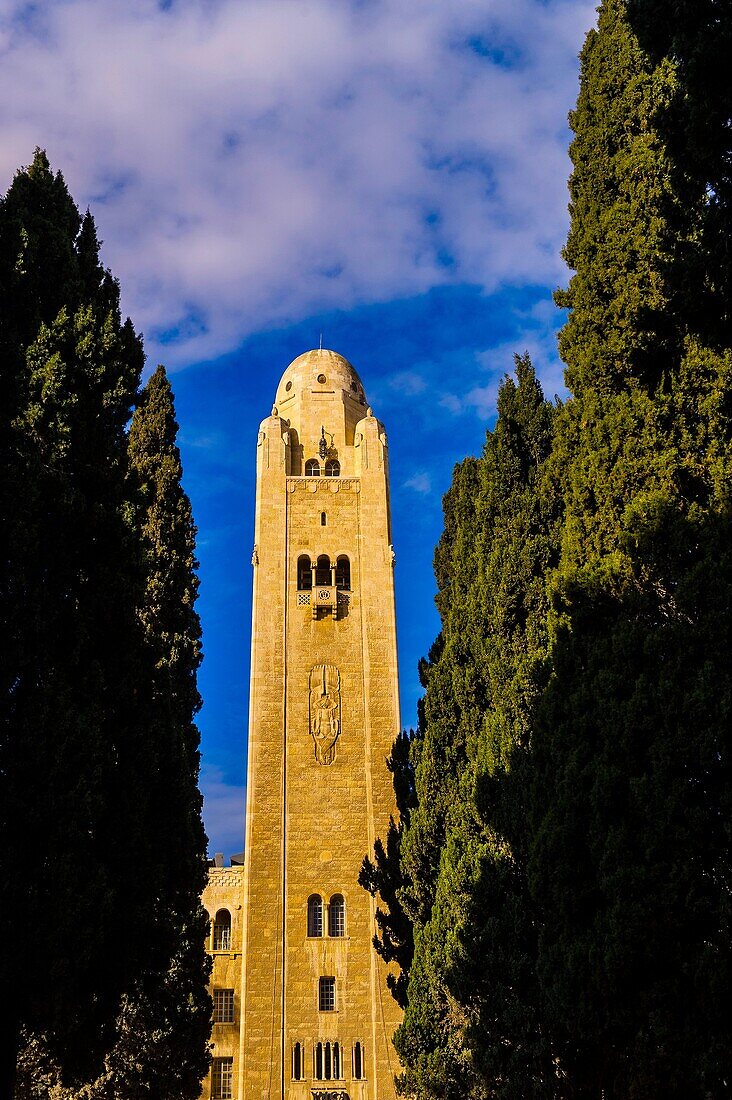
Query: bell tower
[[316, 1015]]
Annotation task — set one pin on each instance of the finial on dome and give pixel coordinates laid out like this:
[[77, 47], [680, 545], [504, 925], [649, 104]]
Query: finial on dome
[[274, 411], [369, 411]]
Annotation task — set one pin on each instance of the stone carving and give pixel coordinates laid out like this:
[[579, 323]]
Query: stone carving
[[329, 1094], [392, 555], [313, 484], [325, 711], [255, 555]]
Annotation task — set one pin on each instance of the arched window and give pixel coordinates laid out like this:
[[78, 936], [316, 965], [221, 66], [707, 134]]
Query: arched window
[[337, 916], [323, 519], [315, 915], [322, 570], [343, 572], [312, 468], [222, 931], [298, 1063], [304, 574], [332, 468], [327, 1062], [358, 1068]]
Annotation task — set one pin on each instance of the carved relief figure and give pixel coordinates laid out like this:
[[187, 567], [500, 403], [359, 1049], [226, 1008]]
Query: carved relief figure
[[325, 711]]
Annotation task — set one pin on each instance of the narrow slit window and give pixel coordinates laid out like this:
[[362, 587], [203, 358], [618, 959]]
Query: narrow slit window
[[328, 1062], [297, 1062], [323, 519], [318, 1060], [336, 1061], [358, 1067]]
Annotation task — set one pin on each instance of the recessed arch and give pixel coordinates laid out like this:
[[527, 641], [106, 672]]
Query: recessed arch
[[343, 572], [221, 939], [332, 468], [312, 468], [304, 573], [322, 570]]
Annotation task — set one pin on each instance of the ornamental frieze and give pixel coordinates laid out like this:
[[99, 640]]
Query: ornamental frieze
[[323, 484]]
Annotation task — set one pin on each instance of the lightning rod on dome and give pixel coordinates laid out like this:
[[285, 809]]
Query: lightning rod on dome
[[321, 341]]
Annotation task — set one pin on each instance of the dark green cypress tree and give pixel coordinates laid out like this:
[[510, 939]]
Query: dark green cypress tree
[[79, 753], [382, 875], [472, 1027], [629, 854], [162, 1030], [172, 633]]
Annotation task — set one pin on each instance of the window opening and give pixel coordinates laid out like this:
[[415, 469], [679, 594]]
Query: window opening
[[337, 916], [315, 915], [304, 574], [332, 468], [223, 1006], [323, 519], [297, 1063], [312, 468], [337, 1061], [322, 570], [222, 931], [328, 1060], [222, 1078], [326, 995], [343, 572], [318, 1054], [358, 1062]]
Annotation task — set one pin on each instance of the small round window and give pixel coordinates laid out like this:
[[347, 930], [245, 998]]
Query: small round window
[[288, 387], [321, 379]]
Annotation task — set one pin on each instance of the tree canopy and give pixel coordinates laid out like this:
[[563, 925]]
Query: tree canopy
[[101, 872], [566, 867]]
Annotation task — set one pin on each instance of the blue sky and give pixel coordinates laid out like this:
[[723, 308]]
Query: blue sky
[[389, 174]]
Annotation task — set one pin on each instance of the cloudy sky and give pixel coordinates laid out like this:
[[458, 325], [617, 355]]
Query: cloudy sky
[[389, 173]]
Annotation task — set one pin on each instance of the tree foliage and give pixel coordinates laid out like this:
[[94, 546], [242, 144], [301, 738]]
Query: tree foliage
[[464, 873], [100, 872], [566, 867]]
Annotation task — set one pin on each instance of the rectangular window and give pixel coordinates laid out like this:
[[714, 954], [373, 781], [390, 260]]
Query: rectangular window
[[326, 995], [222, 1078], [223, 1006]]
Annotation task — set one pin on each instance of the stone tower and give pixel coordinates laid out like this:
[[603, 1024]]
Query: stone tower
[[316, 1015]]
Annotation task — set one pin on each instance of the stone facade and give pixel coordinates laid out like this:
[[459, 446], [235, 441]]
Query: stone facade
[[223, 898], [315, 1017]]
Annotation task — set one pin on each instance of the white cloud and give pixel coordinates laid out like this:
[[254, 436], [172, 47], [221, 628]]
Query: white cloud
[[421, 482], [249, 164], [223, 810], [408, 383]]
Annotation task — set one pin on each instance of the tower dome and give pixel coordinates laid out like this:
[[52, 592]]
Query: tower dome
[[319, 371]]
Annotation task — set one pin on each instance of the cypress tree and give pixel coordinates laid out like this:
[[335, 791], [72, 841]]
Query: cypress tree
[[630, 805], [80, 743], [471, 1027]]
